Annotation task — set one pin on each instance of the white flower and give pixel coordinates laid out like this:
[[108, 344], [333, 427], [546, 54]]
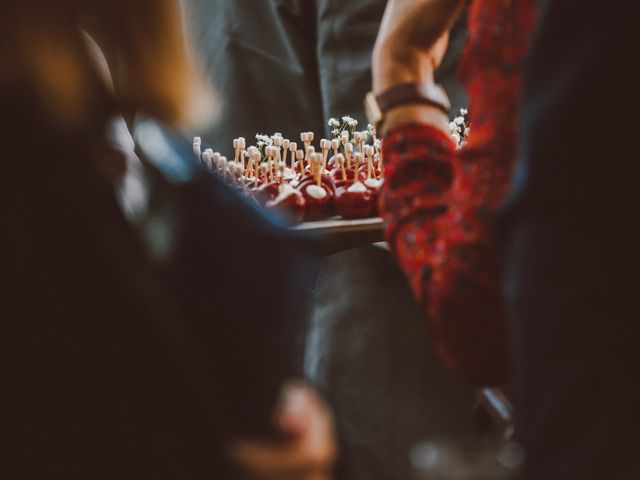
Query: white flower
[[453, 127], [371, 129], [459, 120], [456, 138], [377, 144], [347, 119], [365, 135], [335, 132], [353, 123], [463, 111], [264, 140], [333, 123]]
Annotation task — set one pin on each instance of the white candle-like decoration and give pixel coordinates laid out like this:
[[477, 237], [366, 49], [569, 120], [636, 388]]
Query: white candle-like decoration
[[325, 145], [310, 150], [286, 143], [300, 159], [316, 169], [207, 160], [340, 160], [348, 150], [335, 144], [223, 166]]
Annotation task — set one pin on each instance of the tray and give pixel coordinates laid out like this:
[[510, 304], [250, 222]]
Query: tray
[[336, 225], [337, 234]]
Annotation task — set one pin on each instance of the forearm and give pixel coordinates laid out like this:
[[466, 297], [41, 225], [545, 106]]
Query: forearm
[[409, 33]]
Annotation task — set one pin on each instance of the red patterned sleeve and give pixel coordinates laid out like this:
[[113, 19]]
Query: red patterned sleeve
[[439, 202], [438, 225]]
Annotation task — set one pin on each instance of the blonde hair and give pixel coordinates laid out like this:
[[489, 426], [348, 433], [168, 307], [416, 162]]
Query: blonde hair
[[143, 41]]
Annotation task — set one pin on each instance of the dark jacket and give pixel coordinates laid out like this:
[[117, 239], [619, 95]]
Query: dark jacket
[[136, 352], [573, 258]]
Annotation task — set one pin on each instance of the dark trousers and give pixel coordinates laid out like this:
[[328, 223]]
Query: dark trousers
[[576, 321], [574, 252]]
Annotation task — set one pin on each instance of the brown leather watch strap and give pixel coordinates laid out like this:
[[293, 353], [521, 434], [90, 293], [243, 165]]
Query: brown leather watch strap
[[414, 93]]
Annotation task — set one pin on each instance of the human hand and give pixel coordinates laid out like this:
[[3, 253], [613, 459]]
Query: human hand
[[412, 41], [308, 450]]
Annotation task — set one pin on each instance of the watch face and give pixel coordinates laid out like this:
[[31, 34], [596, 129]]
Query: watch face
[[372, 110]]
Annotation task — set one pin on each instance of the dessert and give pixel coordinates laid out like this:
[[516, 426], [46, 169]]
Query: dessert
[[342, 177]]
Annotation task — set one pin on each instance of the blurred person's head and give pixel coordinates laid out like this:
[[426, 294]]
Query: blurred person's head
[[44, 51]]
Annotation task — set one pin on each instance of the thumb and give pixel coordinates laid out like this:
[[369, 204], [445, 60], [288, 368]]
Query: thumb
[[292, 414]]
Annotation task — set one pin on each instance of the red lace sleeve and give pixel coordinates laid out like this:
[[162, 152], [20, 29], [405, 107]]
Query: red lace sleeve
[[446, 251], [439, 202]]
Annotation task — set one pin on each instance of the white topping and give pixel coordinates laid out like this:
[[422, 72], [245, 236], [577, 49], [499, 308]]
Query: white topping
[[357, 187], [373, 183], [285, 192], [285, 187], [314, 191], [289, 174]]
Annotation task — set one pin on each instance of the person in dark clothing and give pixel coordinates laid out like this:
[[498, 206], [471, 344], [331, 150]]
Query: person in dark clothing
[[138, 342], [290, 65], [573, 246], [287, 66]]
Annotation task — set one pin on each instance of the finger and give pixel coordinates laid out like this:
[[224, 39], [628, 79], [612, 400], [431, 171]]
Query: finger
[[267, 459], [292, 414]]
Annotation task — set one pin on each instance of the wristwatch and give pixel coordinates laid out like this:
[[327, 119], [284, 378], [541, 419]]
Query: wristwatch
[[429, 93]]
